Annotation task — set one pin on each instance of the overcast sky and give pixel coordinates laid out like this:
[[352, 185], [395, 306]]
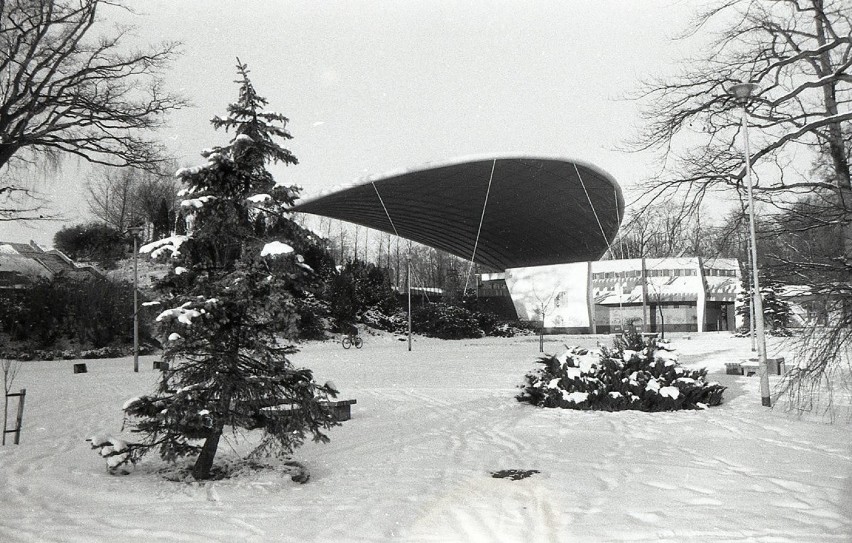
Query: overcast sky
[[375, 86]]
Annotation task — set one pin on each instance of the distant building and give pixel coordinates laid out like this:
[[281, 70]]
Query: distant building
[[815, 306], [21, 264], [684, 294]]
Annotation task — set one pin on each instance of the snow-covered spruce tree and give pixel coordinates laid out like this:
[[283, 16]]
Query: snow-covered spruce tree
[[634, 375], [776, 310], [229, 292]]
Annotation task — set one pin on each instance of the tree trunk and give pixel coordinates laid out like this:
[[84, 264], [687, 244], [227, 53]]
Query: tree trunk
[[836, 144], [204, 463], [7, 150], [846, 225]]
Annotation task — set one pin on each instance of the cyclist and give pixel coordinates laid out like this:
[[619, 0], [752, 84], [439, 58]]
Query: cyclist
[[351, 338], [351, 332]]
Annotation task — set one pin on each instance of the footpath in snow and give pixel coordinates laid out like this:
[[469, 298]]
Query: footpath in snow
[[414, 463]]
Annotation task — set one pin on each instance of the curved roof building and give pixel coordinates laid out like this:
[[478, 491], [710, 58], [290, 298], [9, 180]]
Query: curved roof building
[[501, 212]]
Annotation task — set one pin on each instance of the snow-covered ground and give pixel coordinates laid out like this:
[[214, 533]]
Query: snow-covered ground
[[414, 462]]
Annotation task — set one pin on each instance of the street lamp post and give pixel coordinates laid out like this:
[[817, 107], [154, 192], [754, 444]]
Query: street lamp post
[[135, 230], [408, 291], [742, 92]]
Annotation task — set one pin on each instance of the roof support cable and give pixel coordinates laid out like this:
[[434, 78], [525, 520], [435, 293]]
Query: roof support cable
[[385, 208], [479, 230], [622, 278], [589, 198], [609, 247]]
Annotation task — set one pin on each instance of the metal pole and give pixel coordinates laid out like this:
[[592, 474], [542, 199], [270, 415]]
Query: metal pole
[[408, 288], [751, 305], [756, 297], [645, 325], [135, 305]]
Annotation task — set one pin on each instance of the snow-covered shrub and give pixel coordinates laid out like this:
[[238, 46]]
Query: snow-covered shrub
[[313, 316], [506, 329], [90, 313], [645, 378], [359, 287], [493, 325], [92, 242], [376, 318], [445, 321]]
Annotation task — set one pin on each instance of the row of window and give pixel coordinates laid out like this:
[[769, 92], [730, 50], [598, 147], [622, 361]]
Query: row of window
[[663, 273], [650, 273], [720, 273]]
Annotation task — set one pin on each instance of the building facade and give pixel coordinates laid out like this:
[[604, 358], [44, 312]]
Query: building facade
[[22, 264], [683, 294]]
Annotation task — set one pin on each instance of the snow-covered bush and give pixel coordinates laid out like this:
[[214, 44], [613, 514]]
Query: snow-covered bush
[[92, 242], [646, 377], [376, 318], [505, 329], [357, 288], [445, 321], [90, 313]]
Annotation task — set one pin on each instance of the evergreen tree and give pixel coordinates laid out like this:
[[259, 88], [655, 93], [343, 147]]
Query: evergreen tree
[[230, 290], [776, 310], [360, 286], [163, 220]]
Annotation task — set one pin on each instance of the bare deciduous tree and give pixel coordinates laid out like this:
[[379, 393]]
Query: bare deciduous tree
[[126, 197], [19, 203], [655, 232], [799, 53], [64, 88]]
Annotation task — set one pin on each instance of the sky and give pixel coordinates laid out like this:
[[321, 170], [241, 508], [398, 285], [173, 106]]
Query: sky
[[376, 86]]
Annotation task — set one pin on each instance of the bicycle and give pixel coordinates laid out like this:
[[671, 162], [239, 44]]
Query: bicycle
[[349, 340]]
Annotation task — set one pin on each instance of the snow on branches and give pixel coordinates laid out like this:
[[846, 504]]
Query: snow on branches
[[158, 248], [276, 248], [117, 452], [188, 311]]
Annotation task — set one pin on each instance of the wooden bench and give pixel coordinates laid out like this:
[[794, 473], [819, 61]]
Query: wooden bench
[[733, 368], [775, 366], [340, 409]]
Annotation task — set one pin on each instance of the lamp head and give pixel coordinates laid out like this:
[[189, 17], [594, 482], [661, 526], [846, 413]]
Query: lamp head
[[742, 91]]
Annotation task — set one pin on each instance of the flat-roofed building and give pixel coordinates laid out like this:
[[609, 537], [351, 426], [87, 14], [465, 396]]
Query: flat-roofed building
[[682, 294]]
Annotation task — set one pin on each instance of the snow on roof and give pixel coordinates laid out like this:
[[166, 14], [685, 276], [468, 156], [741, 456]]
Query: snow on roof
[[23, 266]]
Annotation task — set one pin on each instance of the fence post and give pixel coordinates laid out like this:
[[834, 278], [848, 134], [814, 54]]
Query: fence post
[[5, 416], [20, 419]]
